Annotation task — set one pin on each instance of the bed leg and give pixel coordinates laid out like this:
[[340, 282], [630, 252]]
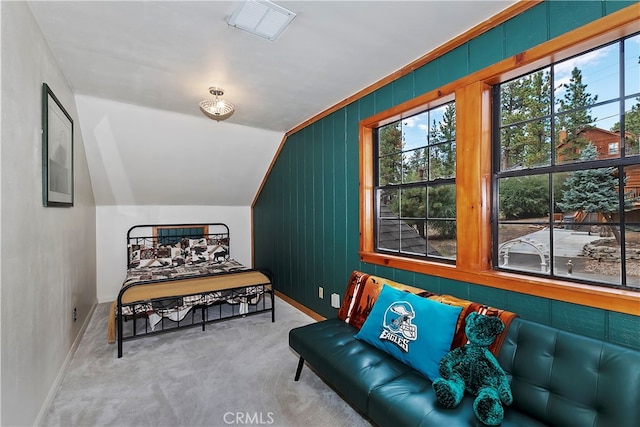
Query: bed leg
[[273, 306], [119, 317], [299, 369]]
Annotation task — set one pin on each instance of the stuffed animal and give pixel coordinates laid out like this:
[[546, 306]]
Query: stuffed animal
[[473, 368]]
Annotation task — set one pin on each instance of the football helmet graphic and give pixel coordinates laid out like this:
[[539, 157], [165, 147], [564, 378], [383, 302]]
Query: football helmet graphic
[[398, 319]]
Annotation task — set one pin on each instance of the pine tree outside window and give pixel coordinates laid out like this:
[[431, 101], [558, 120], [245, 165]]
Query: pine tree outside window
[[415, 193], [566, 169]]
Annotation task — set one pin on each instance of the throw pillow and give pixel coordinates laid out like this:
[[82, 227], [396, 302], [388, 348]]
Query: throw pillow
[[414, 330]]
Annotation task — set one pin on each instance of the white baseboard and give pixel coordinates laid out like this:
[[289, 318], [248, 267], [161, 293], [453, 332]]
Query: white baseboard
[[63, 369]]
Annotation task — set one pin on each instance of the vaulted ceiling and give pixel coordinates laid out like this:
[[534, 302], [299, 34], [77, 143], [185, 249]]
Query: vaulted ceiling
[[140, 68]]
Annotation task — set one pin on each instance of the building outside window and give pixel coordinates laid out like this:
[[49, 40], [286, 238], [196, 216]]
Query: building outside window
[[415, 193], [566, 169], [613, 148]]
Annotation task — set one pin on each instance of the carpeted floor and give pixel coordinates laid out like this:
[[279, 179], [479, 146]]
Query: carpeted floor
[[237, 372]]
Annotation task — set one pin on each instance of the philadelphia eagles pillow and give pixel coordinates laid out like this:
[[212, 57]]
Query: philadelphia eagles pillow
[[415, 330]]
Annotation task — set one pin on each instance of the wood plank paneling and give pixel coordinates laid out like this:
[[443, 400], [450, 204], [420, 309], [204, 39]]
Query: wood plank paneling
[[524, 31], [566, 15], [487, 49], [327, 243]]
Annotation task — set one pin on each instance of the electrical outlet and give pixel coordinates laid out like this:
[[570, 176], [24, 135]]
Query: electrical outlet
[[320, 292], [75, 314], [335, 300]]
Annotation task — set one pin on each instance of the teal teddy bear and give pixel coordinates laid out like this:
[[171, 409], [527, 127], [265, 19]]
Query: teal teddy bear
[[474, 368]]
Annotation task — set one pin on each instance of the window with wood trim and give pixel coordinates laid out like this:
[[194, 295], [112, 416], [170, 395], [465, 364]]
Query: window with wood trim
[[476, 229], [415, 189], [564, 200]]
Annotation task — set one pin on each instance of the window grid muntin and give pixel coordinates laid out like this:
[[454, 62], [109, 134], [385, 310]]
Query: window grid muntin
[[619, 163], [428, 182]]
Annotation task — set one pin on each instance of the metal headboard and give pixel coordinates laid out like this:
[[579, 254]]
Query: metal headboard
[[169, 234]]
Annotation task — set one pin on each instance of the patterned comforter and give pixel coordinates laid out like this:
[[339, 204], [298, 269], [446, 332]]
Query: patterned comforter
[[185, 271], [176, 308]]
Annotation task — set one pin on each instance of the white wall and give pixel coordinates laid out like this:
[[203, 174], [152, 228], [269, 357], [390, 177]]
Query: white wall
[[114, 221], [0, 220], [143, 156], [48, 254]]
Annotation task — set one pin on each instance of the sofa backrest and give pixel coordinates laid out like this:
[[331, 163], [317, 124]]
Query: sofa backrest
[[567, 379], [363, 290]]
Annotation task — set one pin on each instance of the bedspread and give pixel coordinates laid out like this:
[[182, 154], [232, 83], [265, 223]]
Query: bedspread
[[209, 268], [186, 286]]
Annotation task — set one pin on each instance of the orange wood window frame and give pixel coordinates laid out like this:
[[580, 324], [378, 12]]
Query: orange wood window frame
[[473, 175]]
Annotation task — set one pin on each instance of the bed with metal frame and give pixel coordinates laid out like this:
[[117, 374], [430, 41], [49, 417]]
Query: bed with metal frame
[[181, 275]]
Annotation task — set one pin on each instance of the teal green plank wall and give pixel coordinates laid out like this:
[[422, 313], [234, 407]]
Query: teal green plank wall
[[306, 217]]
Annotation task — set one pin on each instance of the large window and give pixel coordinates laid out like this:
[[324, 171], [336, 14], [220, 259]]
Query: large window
[[547, 173], [567, 168], [415, 193]]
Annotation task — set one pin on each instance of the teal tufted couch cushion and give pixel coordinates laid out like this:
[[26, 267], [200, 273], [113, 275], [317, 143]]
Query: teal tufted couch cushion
[[557, 378], [567, 379]]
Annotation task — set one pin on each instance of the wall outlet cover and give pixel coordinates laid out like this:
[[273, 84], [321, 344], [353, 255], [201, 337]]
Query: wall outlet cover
[[335, 300]]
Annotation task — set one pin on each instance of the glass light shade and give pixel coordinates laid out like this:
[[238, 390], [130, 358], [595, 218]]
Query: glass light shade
[[217, 109]]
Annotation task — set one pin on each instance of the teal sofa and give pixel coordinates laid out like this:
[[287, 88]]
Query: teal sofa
[[557, 378]]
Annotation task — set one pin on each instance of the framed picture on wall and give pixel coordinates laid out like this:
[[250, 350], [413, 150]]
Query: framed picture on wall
[[57, 151]]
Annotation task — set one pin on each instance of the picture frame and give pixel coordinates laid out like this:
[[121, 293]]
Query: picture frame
[[57, 152]]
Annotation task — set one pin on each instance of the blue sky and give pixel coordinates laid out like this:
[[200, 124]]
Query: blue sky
[[415, 129], [599, 71]]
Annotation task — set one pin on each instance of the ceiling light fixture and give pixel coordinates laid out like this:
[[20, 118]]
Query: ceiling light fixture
[[217, 109], [262, 18]]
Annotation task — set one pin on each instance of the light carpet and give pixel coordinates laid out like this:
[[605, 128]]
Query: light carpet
[[237, 372]]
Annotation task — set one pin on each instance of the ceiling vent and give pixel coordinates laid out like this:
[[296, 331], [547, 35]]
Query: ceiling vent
[[262, 18]]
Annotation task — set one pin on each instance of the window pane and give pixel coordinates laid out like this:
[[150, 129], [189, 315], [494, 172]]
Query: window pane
[[414, 203], [412, 153], [569, 240], [587, 79], [600, 131], [442, 126], [632, 189], [524, 197], [441, 239], [632, 65], [600, 258], [524, 247], [415, 165], [525, 98], [390, 169], [442, 161], [511, 149], [441, 232], [413, 237], [559, 181], [388, 203], [442, 202], [389, 234], [527, 145], [632, 245], [414, 131], [590, 191], [537, 144], [389, 139], [605, 118], [632, 127], [572, 214]]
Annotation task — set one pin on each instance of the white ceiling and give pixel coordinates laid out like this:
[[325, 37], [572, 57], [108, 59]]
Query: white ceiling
[[166, 54], [140, 68]]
